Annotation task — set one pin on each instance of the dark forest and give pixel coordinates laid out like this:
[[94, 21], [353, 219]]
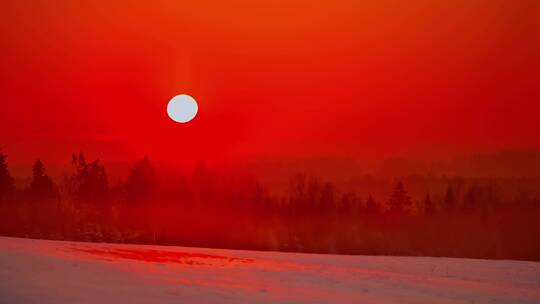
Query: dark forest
[[494, 218]]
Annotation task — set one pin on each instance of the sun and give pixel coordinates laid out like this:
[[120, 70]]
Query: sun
[[182, 108]]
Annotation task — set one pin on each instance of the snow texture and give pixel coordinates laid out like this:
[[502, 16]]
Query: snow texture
[[38, 271]]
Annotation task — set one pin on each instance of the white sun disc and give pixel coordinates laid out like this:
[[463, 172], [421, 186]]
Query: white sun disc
[[182, 108]]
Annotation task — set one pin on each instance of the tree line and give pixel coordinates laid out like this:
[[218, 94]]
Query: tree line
[[463, 218]]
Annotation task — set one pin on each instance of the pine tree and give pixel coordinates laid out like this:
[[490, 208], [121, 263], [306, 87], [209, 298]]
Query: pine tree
[[41, 185], [298, 194], [142, 181], [371, 206], [450, 199], [90, 179], [313, 202], [327, 198], [429, 208], [400, 202], [7, 183]]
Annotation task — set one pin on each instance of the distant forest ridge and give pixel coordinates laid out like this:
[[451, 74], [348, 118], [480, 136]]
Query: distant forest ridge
[[519, 171]]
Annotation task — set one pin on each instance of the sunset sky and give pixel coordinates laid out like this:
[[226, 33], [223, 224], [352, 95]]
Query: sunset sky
[[272, 78]]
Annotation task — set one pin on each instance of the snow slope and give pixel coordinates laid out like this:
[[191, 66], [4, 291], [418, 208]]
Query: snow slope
[[37, 271]]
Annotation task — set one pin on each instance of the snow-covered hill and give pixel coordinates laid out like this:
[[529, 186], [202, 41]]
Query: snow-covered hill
[[37, 271]]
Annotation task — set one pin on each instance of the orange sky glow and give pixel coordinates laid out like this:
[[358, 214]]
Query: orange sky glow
[[273, 79]]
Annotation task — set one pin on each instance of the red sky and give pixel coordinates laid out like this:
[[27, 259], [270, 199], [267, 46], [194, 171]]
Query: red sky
[[273, 79]]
